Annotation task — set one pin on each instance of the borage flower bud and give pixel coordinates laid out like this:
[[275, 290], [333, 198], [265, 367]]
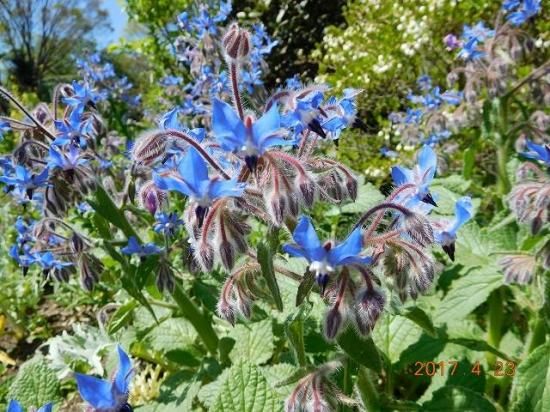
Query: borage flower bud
[[369, 304], [307, 189], [236, 43], [151, 197], [334, 320], [90, 269], [276, 205], [205, 256], [149, 148], [165, 277]]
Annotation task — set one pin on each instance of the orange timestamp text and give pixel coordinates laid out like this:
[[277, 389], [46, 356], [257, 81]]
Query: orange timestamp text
[[432, 368]]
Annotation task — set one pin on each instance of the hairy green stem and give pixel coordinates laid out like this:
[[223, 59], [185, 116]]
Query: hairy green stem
[[367, 390], [538, 337], [496, 317]]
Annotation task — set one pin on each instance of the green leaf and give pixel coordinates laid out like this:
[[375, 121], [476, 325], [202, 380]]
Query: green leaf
[[174, 399], [421, 318], [457, 399], [278, 377], [104, 205], [394, 334], [172, 334], [361, 350], [469, 161], [246, 390], [265, 259], [35, 384], [294, 330], [121, 317], [305, 286], [253, 342], [487, 124], [467, 293], [531, 385]]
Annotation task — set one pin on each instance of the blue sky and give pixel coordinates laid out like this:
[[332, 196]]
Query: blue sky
[[118, 19]]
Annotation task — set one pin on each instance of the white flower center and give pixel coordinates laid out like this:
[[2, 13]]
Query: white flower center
[[321, 267]]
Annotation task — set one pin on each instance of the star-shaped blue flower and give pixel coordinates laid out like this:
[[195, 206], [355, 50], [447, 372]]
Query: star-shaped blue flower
[[445, 234], [4, 128], [25, 181], [250, 140], [104, 395], [325, 259], [83, 95], [59, 159], [167, 223], [135, 248], [71, 130], [421, 177], [524, 11], [15, 406]]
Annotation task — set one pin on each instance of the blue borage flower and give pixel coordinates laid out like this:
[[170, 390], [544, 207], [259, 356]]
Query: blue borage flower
[[65, 160], [341, 113], [135, 248], [305, 114], [72, 130], [445, 232], [419, 178], [167, 223], [472, 38], [191, 179], [251, 138], [521, 11], [539, 152], [104, 395], [83, 95], [25, 181], [325, 259], [48, 262], [14, 406]]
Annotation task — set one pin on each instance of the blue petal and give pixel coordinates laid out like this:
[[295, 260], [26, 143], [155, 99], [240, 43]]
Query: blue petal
[[14, 406], [46, 408], [227, 126], [350, 247], [275, 141], [174, 184], [225, 188], [305, 235], [97, 392], [296, 251], [193, 169], [266, 125], [463, 211], [124, 373], [427, 160], [401, 175]]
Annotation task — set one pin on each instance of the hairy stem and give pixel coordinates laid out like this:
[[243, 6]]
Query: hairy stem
[[234, 75]]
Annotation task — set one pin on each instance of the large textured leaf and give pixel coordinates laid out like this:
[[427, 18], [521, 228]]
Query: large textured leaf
[[467, 293], [176, 400], [278, 377], [531, 386], [253, 343], [246, 390], [457, 399], [35, 384], [172, 334], [394, 334]]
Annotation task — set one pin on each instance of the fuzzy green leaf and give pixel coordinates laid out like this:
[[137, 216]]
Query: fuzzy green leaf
[[253, 342]]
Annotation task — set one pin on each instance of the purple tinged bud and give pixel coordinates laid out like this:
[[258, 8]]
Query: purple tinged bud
[[277, 205], [227, 254], [77, 243], [536, 224], [236, 43], [151, 197], [307, 189], [369, 305], [165, 277], [333, 323], [205, 257], [351, 186]]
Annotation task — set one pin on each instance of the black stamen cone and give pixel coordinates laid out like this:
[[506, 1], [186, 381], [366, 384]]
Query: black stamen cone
[[322, 281], [315, 126], [200, 212], [360, 124], [429, 199], [126, 408], [251, 162], [450, 250], [336, 142]]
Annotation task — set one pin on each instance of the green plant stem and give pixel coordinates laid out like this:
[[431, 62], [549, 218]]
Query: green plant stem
[[200, 322], [503, 182], [367, 390], [347, 384], [495, 322], [538, 337]]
